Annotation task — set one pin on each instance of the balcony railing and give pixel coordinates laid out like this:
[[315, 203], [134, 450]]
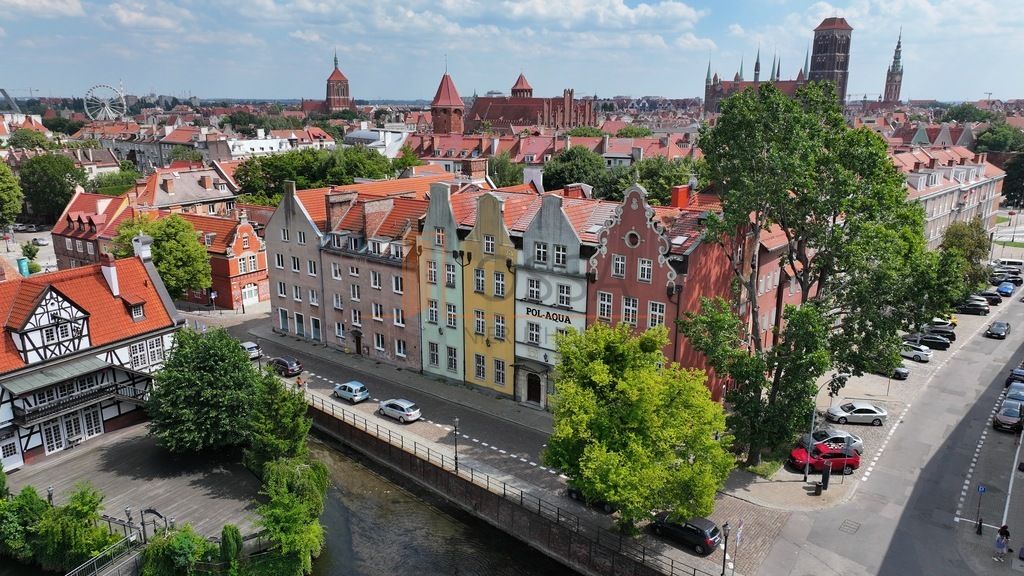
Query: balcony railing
[[122, 391]]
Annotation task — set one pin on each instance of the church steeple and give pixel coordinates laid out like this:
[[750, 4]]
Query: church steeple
[[894, 76], [771, 77], [708, 79], [807, 62], [335, 57], [897, 63], [778, 70], [741, 68], [757, 65]]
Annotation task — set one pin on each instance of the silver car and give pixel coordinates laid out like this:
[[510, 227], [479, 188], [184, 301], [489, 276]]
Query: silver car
[[857, 412], [353, 391], [252, 349], [832, 436], [402, 410], [916, 352]]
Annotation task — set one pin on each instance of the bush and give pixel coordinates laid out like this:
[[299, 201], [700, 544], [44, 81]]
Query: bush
[[176, 552], [65, 536], [230, 544]]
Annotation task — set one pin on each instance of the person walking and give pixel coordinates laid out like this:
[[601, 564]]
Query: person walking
[[1001, 545], [1004, 531]]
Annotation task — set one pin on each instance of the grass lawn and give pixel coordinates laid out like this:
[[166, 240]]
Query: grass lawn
[[770, 463], [1010, 244], [1002, 220]]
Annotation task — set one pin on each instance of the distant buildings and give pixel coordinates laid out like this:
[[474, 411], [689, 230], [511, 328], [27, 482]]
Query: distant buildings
[[894, 75], [339, 97]]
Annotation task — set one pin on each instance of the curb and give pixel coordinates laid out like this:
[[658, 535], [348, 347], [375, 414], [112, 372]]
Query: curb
[[365, 372]]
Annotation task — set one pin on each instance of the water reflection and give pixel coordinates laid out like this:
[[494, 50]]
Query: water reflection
[[379, 523]]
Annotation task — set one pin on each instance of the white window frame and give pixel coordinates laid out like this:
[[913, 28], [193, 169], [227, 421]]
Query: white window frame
[[479, 280], [301, 235], [433, 311], [480, 366], [499, 372], [630, 310], [279, 261], [451, 315], [357, 317], [377, 311], [605, 305], [431, 271], [655, 314], [488, 243], [561, 254], [540, 252], [533, 333], [400, 348], [499, 284], [449, 275], [297, 293], [311, 267], [479, 322], [397, 284], [452, 358], [338, 302], [644, 270], [378, 342], [499, 326], [618, 266], [398, 316], [296, 264], [533, 289], [565, 295], [282, 289], [354, 292], [375, 282], [433, 354]]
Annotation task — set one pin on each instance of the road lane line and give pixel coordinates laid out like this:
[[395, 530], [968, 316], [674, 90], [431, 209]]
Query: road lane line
[[1013, 475]]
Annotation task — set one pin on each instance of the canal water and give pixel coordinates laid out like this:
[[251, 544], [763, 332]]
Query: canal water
[[379, 523]]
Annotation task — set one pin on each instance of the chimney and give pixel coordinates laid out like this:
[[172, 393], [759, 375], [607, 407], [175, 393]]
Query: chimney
[[243, 217], [932, 161], [475, 168], [604, 144], [637, 153], [168, 185], [109, 270], [494, 146], [681, 196], [206, 182], [142, 245], [261, 133], [918, 165]]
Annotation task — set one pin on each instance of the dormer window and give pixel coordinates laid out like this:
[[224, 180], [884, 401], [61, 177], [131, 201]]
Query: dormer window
[[245, 241], [208, 238], [138, 312]]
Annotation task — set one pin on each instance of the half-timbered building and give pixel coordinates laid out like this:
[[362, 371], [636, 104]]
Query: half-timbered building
[[77, 352]]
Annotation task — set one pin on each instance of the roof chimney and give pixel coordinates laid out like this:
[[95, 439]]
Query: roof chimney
[[109, 270], [475, 168], [932, 161], [206, 181], [142, 245], [168, 185], [681, 196], [604, 144]]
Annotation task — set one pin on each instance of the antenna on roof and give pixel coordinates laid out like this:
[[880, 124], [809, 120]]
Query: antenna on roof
[[445, 62]]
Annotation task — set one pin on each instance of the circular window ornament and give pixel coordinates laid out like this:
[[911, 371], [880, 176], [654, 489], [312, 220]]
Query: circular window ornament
[[632, 239]]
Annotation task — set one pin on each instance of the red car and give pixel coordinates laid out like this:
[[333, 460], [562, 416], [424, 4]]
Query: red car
[[838, 457]]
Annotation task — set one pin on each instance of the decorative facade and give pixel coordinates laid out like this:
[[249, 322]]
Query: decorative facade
[[894, 75]]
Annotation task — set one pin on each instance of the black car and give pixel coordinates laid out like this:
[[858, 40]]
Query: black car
[[285, 365], [1016, 375], [976, 308], [997, 279], [933, 341], [700, 534], [577, 494], [946, 332], [991, 296], [998, 330]]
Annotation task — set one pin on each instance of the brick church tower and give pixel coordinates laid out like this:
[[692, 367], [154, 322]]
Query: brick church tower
[[447, 109], [894, 76], [338, 96], [830, 56], [522, 88]]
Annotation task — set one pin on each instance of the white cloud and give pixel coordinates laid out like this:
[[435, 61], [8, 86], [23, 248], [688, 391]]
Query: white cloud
[[155, 15], [3, 33], [306, 36], [736, 30], [43, 8], [690, 41], [601, 13]]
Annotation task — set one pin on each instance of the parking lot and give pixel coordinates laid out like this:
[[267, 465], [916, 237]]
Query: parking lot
[[11, 248]]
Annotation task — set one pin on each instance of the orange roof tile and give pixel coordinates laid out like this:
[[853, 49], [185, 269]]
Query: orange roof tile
[[223, 230], [447, 95]]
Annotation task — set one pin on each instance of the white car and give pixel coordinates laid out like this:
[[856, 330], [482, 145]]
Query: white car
[[353, 391], [402, 410], [252, 349], [857, 412], [916, 352], [41, 241]]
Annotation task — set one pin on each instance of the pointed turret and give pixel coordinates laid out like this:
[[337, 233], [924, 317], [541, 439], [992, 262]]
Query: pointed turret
[[708, 79], [522, 88], [771, 77], [757, 66], [778, 70], [335, 57], [894, 76], [447, 108], [897, 56], [741, 68], [807, 62]]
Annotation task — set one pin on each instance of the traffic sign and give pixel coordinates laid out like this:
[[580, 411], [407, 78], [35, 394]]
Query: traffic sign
[[981, 488]]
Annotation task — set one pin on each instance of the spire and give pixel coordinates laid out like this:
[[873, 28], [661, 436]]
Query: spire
[[897, 64], [335, 57], [771, 77], [446, 94], [778, 70], [807, 62], [741, 68], [757, 65], [708, 79]]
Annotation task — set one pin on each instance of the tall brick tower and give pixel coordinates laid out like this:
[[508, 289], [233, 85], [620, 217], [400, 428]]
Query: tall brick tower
[[522, 88], [894, 76], [830, 56], [338, 97], [447, 109]]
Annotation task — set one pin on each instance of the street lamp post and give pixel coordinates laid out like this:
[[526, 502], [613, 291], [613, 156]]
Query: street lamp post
[[814, 413], [455, 421], [725, 549]]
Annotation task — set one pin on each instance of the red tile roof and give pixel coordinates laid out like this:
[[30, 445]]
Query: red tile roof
[[521, 83], [97, 209], [223, 230], [337, 76], [447, 95], [834, 23]]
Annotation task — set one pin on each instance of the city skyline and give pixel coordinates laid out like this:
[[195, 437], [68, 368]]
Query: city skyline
[[284, 49]]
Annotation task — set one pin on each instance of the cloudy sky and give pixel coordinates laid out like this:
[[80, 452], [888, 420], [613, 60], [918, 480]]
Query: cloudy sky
[[952, 49]]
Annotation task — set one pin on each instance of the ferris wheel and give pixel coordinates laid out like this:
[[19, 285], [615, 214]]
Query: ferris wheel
[[104, 102]]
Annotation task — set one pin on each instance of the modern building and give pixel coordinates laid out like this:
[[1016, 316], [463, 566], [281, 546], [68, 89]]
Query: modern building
[[77, 352]]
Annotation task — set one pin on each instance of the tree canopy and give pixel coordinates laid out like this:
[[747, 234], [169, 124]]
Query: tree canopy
[[503, 171], [1001, 137], [25, 138], [633, 432], [261, 179], [968, 242], [62, 125], [279, 426], [182, 261], [113, 183], [577, 164], [585, 132], [186, 153], [633, 131], [11, 197], [406, 159], [967, 112], [1013, 183], [48, 182]]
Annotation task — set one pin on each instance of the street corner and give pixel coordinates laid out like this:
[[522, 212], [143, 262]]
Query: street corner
[[787, 490]]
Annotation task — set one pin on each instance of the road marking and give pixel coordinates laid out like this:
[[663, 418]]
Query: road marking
[[475, 440], [522, 460], [553, 471], [533, 463], [436, 424], [543, 468], [502, 451], [484, 444], [1009, 491], [563, 476], [465, 436]]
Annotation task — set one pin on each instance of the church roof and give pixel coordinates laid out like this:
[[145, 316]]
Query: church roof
[[834, 23], [447, 95], [337, 76], [521, 83]]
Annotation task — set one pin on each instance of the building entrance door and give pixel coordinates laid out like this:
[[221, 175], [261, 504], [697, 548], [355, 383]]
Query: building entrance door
[[533, 388]]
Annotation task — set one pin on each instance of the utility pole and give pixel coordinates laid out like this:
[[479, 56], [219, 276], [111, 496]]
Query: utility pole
[[989, 94]]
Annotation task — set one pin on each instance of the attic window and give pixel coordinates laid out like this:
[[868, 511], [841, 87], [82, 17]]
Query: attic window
[[137, 312], [208, 238], [245, 241]]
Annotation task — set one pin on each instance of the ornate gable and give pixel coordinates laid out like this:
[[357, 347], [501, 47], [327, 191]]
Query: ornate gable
[[56, 326]]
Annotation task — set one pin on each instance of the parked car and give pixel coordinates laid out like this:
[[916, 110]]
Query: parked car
[[832, 436], [836, 456], [1015, 392], [1008, 417], [285, 365], [18, 227], [998, 330], [857, 412], [355, 392], [946, 332], [577, 494], [975, 308], [898, 373], [916, 352], [1016, 375], [1006, 289], [992, 297], [700, 534], [31, 228], [945, 320], [1012, 277], [402, 410], [252, 349], [933, 341], [41, 241]]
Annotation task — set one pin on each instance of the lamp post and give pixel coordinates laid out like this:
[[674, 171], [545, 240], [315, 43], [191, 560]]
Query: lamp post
[[455, 421], [814, 413], [259, 359], [725, 549]]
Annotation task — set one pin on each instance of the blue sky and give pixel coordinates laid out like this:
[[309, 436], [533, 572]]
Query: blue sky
[[952, 49]]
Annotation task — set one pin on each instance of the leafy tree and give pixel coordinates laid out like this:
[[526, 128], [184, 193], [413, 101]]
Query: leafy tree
[[854, 242], [3, 484], [18, 516], [203, 398], [968, 242], [1013, 183], [176, 552], [503, 171], [25, 138], [967, 112], [11, 197], [113, 183], [344, 164], [330, 129], [658, 175], [344, 115], [261, 180], [633, 131], [577, 164], [230, 544], [65, 536], [1001, 137], [279, 425], [634, 433], [186, 153], [585, 132], [62, 125], [29, 250], [406, 159], [177, 254], [49, 181], [295, 491]]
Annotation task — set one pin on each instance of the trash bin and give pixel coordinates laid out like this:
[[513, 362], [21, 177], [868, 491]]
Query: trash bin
[[826, 473], [817, 488]]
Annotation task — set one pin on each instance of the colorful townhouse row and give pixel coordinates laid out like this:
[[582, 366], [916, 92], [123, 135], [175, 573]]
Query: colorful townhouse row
[[474, 284]]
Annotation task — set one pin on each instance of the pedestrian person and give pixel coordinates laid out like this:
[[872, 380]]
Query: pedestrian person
[[298, 382], [1000, 548], [1004, 531]]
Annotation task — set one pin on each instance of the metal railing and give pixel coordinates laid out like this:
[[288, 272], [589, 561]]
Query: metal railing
[[597, 535], [108, 556], [26, 416]]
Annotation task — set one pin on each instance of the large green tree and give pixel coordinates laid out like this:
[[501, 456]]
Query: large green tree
[[1013, 183], [25, 138], [48, 182], [65, 536], [585, 132], [969, 242], [406, 159], [18, 517], [967, 112], [633, 131], [11, 197], [62, 125], [113, 183], [577, 164], [295, 489], [186, 153], [261, 179], [503, 171], [182, 261], [1001, 137], [633, 432], [279, 425], [204, 397], [657, 175]]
